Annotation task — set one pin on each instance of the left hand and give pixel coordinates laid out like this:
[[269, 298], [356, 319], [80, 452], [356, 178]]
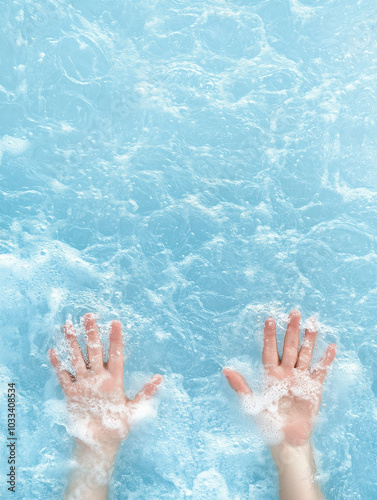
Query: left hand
[[99, 409]]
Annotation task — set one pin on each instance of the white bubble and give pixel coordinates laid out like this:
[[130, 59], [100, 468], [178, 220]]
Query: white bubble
[[270, 428], [252, 405], [145, 409], [210, 484]]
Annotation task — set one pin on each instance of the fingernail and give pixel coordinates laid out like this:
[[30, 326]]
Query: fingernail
[[332, 346], [156, 378], [295, 312], [270, 321]]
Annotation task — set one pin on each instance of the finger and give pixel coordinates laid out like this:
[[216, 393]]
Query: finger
[[270, 356], [320, 371], [78, 361], [306, 352], [94, 346], [237, 382], [64, 377], [149, 390], [115, 362], [292, 339]]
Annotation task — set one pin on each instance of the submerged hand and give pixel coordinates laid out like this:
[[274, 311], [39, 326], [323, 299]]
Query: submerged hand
[[292, 391], [99, 409]]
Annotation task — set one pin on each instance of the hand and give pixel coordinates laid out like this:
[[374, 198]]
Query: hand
[[99, 409], [292, 391]]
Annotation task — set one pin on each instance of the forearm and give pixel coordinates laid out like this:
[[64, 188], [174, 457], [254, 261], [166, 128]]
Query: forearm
[[91, 472], [296, 468]]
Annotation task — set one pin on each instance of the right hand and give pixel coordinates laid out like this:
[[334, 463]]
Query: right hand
[[292, 391]]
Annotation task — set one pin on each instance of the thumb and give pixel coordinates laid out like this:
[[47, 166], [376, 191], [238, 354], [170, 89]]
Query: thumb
[[149, 390], [237, 382]]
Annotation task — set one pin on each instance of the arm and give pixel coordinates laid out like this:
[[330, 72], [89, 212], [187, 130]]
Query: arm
[[289, 405], [296, 468], [99, 411], [92, 471]]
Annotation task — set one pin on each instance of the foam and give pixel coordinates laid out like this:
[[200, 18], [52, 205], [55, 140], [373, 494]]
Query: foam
[[112, 413], [84, 411], [144, 410], [269, 409], [210, 484]]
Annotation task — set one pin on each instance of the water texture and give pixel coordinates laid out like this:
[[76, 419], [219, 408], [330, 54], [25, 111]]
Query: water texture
[[190, 168]]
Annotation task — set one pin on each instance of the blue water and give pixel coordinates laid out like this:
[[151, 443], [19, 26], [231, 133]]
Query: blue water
[[190, 168]]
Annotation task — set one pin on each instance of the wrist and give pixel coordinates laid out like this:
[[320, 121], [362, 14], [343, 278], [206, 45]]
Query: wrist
[[296, 469], [92, 467], [98, 450], [287, 455]]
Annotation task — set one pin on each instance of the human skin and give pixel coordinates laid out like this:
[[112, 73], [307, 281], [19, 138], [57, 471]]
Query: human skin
[[294, 411], [100, 412]]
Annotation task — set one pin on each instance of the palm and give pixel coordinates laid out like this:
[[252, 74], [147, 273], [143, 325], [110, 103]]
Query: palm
[[99, 410], [99, 406], [299, 405], [291, 397]]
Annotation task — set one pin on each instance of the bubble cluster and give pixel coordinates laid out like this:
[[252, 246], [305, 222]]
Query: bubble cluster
[[281, 404]]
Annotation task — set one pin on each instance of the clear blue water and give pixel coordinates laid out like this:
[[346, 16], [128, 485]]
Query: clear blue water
[[190, 168]]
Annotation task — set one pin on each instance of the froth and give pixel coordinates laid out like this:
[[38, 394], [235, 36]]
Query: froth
[[145, 409], [265, 414], [271, 409]]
